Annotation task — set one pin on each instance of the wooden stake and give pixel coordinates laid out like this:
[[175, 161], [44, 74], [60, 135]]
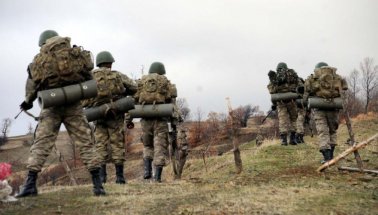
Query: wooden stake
[[235, 142], [347, 152], [351, 169]]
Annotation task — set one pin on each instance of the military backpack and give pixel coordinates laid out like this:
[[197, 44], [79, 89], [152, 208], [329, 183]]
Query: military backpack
[[109, 83], [154, 88], [58, 64], [326, 83]]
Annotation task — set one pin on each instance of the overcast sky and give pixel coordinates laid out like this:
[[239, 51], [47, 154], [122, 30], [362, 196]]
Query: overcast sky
[[211, 48]]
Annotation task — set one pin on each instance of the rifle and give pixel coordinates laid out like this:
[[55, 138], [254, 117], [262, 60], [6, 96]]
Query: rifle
[[269, 113], [307, 121], [28, 113]]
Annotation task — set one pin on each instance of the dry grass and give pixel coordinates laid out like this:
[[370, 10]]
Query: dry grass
[[275, 180]]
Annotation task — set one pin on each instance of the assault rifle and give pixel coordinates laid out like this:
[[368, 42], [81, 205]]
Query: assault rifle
[[28, 113], [269, 113], [307, 121]]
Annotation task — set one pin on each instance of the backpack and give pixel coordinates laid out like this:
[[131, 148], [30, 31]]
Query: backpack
[[58, 64], [327, 84], [153, 88], [109, 83]]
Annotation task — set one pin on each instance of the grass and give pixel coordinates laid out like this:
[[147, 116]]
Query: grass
[[275, 180]]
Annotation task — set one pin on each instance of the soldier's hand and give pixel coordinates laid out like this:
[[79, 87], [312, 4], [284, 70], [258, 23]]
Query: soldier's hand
[[271, 73], [26, 106], [273, 107]]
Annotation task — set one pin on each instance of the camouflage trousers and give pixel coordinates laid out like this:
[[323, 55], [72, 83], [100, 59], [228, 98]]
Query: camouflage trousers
[[287, 117], [327, 123], [78, 129], [300, 120], [155, 140], [110, 141]]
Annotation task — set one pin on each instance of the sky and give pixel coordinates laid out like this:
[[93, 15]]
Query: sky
[[212, 49]]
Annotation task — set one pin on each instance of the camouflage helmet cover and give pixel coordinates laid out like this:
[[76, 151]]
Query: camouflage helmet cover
[[320, 64], [158, 68], [104, 57], [45, 36], [281, 65]]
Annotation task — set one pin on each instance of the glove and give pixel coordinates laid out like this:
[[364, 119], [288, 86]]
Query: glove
[[274, 107], [26, 106], [130, 125], [300, 89], [271, 73]]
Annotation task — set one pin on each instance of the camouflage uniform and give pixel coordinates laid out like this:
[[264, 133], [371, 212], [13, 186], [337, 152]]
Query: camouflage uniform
[[326, 121], [283, 81], [42, 76], [155, 130], [109, 131], [301, 112]]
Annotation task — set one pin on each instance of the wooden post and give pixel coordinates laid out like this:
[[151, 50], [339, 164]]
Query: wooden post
[[351, 169], [235, 142], [350, 131], [347, 152]]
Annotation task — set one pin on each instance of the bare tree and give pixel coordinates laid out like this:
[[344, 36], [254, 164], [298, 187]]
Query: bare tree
[[6, 124], [197, 129], [354, 103], [369, 80], [182, 105], [30, 129]]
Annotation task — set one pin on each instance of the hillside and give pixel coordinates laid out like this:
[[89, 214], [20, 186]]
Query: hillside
[[275, 180]]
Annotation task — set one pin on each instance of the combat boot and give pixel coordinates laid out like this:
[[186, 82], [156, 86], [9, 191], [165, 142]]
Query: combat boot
[[98, 189], [293, 140], [326, 155], [332, 150], [158, 171], [299, 138], [302, 140], [103, 175], [283, 139], [147, 168], [30, 187], [119, 174]]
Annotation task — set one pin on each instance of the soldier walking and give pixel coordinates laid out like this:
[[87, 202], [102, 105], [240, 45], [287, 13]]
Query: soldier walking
[[154, 88], [59, 65], [109, 131], [283, 81], [327, 86]]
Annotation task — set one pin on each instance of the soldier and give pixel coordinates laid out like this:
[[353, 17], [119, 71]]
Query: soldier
[[283, 81], [328, 85], [301, 108], [154, 88], [109, 132], [48, 71]]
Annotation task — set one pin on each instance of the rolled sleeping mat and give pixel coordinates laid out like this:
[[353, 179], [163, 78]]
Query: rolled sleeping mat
[[152, 111], [301, 103], [121, 106], [67, 95], [325, 104], [276, 97]]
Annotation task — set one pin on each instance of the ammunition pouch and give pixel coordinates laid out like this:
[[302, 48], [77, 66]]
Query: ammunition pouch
[[325, 104], [67, 95]]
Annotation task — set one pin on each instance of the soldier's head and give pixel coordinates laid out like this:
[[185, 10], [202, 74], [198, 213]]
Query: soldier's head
[[281, 66], [320, 64], [158, 68], [104, 59], [45, 36]]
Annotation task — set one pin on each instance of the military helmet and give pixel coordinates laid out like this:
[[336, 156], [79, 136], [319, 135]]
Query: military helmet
[[320, 64], [157, 67], [46, 35], [104, 57], [281, 65]]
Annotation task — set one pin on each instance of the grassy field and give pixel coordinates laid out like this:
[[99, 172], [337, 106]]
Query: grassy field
[[275, 180]]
